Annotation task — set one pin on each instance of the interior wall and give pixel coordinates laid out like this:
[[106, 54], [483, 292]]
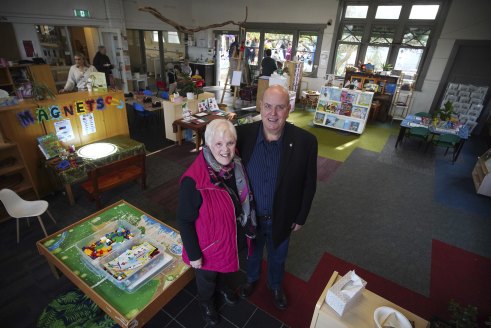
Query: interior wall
[[26, 32], [466, 20]]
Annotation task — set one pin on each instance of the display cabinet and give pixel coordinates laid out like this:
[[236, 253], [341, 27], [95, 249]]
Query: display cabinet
[[481, 175], [343, 109]]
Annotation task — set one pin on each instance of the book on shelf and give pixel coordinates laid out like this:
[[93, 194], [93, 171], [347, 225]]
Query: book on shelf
[[49, 145]]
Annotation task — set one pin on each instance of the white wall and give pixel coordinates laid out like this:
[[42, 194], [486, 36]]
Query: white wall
[[466, 20], [26, 32]]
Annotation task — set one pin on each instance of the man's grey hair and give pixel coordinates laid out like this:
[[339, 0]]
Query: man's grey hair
[[102, 47]]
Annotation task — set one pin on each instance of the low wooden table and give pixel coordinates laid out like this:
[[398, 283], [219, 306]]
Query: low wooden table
[[126, 147], [360, 314], [127, 309]]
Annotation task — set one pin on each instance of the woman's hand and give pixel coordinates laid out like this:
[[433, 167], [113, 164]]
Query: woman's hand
[[61, 91], [196, 264]]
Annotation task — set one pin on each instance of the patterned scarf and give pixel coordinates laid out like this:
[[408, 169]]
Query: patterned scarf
[[219, 173]]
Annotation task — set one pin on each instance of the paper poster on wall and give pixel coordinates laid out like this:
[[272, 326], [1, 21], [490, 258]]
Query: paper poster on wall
[[236, 78], [64, 130], [88, 123]]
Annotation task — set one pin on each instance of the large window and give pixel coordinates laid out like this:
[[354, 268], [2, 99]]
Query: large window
[[287, 42], [387, 33]]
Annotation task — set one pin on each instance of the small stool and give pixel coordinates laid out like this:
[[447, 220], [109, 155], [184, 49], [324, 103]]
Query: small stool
[[374, 110]]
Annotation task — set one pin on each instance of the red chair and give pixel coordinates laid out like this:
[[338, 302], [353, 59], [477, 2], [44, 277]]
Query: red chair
[[161, 86]]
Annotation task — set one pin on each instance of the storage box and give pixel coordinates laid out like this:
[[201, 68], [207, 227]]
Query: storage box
[[341, 295], [96, 236], [138, 276]]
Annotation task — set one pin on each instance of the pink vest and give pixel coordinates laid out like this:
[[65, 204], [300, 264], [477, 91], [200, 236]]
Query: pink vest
[[216, 223]]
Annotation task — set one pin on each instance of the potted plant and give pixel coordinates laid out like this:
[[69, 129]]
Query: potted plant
[[445, 113], [386, 68], [187, 84]]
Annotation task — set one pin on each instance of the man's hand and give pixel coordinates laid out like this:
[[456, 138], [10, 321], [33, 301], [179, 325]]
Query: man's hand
[[231, 116], [296, 227], [196, 264]]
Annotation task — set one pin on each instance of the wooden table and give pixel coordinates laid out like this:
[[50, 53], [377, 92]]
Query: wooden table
[[78, 173], [127, 309], [360, 314]]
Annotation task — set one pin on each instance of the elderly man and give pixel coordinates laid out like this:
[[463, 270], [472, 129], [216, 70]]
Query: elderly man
[[281, 162], [103, 64]]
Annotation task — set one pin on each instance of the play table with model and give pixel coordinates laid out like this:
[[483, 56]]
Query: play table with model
[[152, 287]]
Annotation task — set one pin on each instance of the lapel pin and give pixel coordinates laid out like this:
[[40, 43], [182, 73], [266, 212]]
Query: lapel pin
[[291, 145]]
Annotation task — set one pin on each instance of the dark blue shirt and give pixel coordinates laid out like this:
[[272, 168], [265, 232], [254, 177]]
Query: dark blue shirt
[[263, 169]]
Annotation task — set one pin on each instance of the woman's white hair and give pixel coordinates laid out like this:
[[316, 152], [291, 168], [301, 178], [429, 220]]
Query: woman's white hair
[[219, 127]]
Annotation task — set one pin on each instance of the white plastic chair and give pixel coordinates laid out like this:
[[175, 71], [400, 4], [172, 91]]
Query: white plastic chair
[[19, 208]]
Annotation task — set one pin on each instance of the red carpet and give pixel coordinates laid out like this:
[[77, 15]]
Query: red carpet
[[455, 273]]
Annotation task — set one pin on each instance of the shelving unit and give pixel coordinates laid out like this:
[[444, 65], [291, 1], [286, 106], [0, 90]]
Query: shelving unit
[[13, 76], [481, 175], [343, 109], [401, 104], [14, 174]]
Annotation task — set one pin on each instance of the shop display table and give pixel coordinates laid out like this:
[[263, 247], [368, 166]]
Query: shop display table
[[414, 121], [360, 314], [149, 106], [309, 100], [127, 309], [79, 172]]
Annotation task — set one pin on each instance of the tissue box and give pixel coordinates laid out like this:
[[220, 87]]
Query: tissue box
[[345, 291]]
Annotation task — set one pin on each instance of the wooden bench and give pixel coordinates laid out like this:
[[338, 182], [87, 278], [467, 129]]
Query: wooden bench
[[109, 176]]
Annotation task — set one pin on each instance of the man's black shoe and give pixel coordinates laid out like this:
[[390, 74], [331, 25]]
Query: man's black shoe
[[229, 296], [247, 289], [279, 299], [210, 314]]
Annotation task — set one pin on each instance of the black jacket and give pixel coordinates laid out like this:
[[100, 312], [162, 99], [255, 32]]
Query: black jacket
[[297, 177], [99, 61]]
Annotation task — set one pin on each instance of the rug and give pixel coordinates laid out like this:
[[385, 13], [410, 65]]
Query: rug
[[74, 309], [455, 274], [339, 145]]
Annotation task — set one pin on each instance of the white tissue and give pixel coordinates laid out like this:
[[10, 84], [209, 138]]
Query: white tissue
[[388, 317], [344, 291]]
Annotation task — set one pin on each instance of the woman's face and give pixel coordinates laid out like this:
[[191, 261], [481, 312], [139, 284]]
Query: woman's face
[[223, 147], [79, 61]]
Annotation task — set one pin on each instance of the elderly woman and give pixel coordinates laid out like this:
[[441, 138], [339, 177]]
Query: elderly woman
[[78, 74], [215, 214]]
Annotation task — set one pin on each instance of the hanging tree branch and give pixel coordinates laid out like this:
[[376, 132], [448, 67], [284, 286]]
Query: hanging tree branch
[[184, 29]]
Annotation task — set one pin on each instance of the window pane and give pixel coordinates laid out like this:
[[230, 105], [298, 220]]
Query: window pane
[[382, 34], [346, 55], [424, 11], [252, 47], [356, 12], [388, 12], [377, 56], [416, 36], [408, 60], [173, 37], [278, 43], [352, 33], [306, 50]]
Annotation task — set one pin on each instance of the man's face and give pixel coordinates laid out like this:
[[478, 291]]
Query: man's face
[[102, 51], [275, 108]]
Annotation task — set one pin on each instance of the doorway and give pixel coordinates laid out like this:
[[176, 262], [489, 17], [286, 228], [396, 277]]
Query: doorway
[[223, 41]]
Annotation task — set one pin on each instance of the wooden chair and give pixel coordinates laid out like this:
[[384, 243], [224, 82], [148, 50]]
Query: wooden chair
[[107, 177]]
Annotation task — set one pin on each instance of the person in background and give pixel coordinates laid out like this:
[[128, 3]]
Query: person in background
[[172, 77], [215, 214], [281, 162], [185, 68], [78, 74], [103, 64], [268, 64]]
